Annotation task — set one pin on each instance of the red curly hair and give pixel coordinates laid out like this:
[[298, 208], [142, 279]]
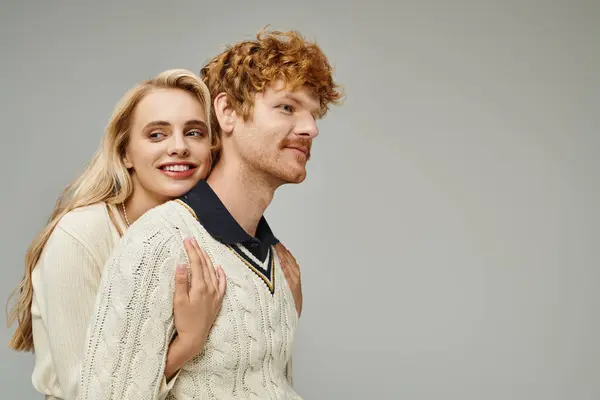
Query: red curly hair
[[248, 67]]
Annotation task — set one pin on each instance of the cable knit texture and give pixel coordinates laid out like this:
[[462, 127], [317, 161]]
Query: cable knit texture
[[248, 349], [65, 285]]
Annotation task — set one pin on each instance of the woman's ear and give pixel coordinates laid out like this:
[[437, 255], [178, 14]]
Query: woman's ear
[[126, 161], [225, 113]]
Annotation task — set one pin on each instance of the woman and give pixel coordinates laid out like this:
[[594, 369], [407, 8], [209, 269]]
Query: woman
[[157, 146]]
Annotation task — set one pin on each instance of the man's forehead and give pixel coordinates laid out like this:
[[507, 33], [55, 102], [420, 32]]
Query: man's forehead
[[301, 94]]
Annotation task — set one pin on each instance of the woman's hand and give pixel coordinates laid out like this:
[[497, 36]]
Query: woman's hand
[[196, 304], [291, 270]]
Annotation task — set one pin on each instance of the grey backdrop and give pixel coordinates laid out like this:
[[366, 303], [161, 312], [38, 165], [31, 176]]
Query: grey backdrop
[[448, 230]]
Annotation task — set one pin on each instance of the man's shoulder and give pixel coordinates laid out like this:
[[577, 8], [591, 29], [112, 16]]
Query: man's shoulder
[[157, 235], [162, 222]]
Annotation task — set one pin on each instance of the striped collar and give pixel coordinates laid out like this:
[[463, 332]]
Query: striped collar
[[220, 224]]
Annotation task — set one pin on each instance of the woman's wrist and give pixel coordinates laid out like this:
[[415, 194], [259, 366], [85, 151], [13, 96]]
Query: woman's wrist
[[180, 351]]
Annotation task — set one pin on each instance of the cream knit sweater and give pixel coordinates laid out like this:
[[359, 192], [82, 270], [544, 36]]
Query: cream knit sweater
[[65, 283], [249, 346]]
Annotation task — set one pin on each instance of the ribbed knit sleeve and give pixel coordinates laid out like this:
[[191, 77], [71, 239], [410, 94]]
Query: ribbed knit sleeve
[[132, 325], [69, 275]]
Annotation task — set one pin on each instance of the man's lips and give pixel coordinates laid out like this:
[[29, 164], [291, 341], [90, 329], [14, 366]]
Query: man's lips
[[302, 149]]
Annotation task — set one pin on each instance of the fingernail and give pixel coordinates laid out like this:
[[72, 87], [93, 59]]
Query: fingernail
[[180, 268]]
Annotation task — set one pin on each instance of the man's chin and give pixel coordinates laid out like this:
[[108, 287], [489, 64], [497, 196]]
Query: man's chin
[[286, 174], [296, 178]]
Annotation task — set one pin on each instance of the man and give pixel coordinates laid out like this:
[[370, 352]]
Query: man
[[267, 94]]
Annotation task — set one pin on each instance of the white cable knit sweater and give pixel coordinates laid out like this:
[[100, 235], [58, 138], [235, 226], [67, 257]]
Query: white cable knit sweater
[[65, 286], [247, 351]]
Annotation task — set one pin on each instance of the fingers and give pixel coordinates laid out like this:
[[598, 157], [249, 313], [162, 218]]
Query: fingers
[[294, 267], [282, 251], [283, 260], [195, 260], [209, 275], [288, 262], [285, 269], [204, 271], [289, 256], [222, 281], [181, 284]]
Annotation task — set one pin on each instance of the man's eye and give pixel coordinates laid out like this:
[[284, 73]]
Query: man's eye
[[287, 108]]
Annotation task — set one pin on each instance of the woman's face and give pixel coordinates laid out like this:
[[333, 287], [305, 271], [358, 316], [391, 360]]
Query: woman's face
[[169, 146]]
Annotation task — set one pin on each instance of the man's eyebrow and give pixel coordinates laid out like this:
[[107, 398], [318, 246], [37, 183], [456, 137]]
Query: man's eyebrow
[[298, 100], [292, 97]]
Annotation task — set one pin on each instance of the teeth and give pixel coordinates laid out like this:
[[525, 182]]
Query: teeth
[[176, 168]]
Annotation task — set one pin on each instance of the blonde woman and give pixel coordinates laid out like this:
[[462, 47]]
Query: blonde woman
[[157, 146]]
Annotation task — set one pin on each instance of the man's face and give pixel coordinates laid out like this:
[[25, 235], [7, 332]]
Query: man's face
[[277, 139]]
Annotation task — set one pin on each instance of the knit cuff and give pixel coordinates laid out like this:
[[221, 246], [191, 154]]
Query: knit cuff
[[165, 386]]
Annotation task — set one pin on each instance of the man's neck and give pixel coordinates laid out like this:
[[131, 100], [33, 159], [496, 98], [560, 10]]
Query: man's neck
[[245, 194]]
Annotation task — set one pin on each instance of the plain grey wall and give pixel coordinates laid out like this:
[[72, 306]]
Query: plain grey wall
[[448, 230]]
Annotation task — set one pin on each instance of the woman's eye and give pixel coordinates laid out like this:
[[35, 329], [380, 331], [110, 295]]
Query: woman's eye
[[156, 135], [196, 132]]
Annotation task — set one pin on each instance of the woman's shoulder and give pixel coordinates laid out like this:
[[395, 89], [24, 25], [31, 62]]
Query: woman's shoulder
[[88, 228], [90, 225], [86, 217]]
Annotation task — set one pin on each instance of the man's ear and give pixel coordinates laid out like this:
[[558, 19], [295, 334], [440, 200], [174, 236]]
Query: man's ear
[[225, 113]]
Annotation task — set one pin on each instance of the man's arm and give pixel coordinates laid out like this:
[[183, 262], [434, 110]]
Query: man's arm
[[132, 326]]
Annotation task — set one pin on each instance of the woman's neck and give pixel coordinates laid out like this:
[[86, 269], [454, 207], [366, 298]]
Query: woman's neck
[[138, 204]]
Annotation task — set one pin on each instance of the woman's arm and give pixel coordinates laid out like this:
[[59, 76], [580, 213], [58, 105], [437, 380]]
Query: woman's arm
[[291, 271], [195, 306], [70, 277], [134, 322]]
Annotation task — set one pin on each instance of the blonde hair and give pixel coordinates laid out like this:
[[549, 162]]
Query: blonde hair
[[106, 179]]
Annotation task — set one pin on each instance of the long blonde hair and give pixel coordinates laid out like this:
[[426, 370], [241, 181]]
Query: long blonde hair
[[106, 179]]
